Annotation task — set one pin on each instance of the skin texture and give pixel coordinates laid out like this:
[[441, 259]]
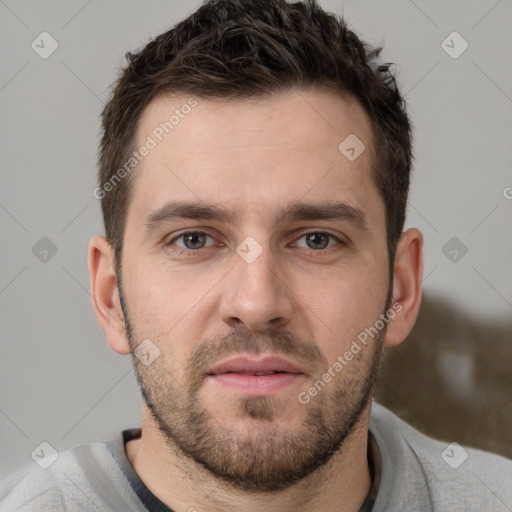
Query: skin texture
[[206, 445]]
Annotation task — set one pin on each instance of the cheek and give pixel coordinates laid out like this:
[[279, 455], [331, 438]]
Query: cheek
[[169, 307], [161, 295], [347, 305]]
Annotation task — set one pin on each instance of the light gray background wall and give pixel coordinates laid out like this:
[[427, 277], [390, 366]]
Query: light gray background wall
[[59, 381]]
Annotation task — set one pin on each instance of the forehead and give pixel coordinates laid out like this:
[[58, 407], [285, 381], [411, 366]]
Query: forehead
[[260, 153]]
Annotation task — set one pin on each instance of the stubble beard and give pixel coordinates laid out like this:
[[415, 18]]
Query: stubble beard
[[264, 455]]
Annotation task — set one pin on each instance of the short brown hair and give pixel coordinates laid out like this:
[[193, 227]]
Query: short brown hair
[[248, 48]]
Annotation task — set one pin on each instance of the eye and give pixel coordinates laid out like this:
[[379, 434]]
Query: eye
[[318, 240], [192, 240]]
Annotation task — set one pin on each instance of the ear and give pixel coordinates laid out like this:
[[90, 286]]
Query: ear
[[105, 294], [407, 286]]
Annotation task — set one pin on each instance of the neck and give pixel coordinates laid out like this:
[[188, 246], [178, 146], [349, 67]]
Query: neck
[[183, 485]]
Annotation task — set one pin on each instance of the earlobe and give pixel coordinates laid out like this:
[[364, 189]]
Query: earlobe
[[105, 294], [407, 286]]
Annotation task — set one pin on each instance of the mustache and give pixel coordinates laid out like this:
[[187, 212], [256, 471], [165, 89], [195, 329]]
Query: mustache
[[242, 341]]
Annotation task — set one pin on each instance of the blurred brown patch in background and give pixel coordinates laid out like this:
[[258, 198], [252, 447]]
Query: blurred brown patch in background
[[452, 378]]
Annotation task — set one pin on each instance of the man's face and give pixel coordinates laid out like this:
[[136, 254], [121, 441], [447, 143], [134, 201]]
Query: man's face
[[234, 267]]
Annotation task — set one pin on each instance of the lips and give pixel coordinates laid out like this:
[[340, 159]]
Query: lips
[[255, 377], [247, 366]]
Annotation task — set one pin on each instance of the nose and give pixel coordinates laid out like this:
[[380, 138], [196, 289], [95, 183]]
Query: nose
[[256, 294]]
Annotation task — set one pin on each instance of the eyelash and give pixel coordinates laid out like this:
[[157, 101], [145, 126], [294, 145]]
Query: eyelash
[[190, 252]]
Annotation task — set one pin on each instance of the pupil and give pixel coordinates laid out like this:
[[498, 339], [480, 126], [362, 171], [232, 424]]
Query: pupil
[[316, 238], [191, 241]]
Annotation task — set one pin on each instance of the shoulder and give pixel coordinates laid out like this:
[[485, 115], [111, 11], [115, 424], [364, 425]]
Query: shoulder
[[419, 471], [83, 478]]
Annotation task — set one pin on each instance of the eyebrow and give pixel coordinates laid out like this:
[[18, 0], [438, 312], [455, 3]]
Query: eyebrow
[[330, 210]]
